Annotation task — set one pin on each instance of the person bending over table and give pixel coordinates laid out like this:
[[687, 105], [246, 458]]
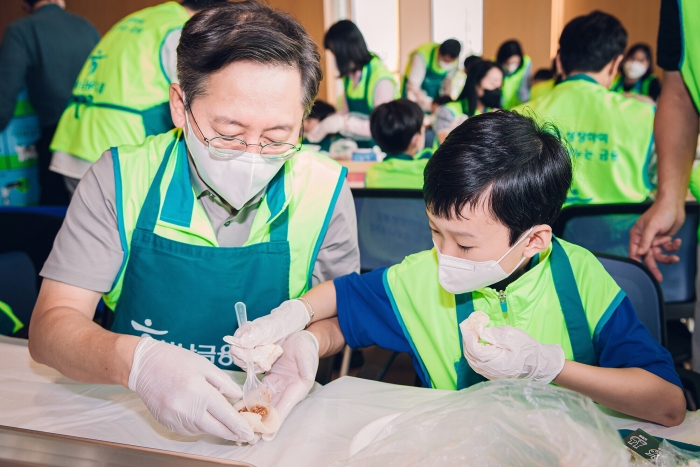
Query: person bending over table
[[492, 191], [174, 232]]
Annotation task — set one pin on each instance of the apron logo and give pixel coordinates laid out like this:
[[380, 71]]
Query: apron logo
[[94, 61], [145, 329]]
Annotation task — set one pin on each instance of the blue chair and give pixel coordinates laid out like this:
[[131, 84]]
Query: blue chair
[[17, 290], [646, 296], [391, 224], [605, 229]]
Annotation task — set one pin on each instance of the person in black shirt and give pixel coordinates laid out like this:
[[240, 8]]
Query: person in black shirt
[[44, 51]]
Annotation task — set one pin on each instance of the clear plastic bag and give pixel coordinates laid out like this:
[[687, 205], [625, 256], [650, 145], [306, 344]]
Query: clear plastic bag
[[670, 456], [498, 423]]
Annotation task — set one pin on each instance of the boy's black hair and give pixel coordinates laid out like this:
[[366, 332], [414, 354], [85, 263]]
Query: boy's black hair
[[196, 5], [590, 42], [647, 51], [507, 50], [348, 45], [543, 74], [394, 124], [477, 72], [469, 61], [450, 48], [442, 100], [520, 171], [321, 110]]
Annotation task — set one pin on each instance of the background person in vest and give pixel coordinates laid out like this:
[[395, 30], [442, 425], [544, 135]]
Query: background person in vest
[[366, 81], [636, 78], [518, 69], [429, 72], [481, 93], [397, 127], [611, 136], [44, 52], [121, 94], [676, 132], [319, 112], [177, 230], [492, 191]]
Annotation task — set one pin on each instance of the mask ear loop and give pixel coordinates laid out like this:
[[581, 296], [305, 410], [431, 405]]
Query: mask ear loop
[[524, 236]]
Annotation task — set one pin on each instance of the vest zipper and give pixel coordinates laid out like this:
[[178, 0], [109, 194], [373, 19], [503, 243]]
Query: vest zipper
[[502, 298]]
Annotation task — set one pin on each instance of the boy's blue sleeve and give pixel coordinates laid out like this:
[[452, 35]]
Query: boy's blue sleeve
[[624, 342]]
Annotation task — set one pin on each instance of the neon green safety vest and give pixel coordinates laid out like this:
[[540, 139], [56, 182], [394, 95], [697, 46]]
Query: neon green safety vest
[[399, 171], [512, 83], [690, 59], [612, 138], [541, 88], [434, 75], [9, 323], [458, 108], [121, 95], [360, 98], [312, 184], [641, 86], [429, 315]]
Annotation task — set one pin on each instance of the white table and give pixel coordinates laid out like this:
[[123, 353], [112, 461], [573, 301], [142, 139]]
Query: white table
[[317, 432]]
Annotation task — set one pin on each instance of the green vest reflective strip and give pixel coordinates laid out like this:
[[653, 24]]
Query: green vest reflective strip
[[641, 86], [121, 95], [398, 171], [690, 58], [15, 322], [541, 88], [428, 315], [360, 98], [512, 83], [434, 75], [612, 138], [458, 108], [312, 184]]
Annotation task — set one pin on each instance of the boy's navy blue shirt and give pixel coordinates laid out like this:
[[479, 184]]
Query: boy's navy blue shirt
[[367, 318]]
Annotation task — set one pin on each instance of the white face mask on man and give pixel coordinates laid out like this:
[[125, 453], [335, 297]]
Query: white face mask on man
[[235, 180], [457, 275]]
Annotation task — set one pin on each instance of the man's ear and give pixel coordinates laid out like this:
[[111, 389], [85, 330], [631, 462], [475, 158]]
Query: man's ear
[[614, 68], [538, 240], [557, 62], [177, 106]]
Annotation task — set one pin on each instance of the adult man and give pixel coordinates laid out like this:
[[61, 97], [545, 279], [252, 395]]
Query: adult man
[[121, 94], [429, 72], [44, 51], [611, 135], [174, 232]]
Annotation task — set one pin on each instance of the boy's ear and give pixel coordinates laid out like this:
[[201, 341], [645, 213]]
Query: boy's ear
[[538, 240]]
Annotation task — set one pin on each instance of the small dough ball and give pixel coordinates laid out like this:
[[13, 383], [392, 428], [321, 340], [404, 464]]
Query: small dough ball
[[270, 424], [477, 322]]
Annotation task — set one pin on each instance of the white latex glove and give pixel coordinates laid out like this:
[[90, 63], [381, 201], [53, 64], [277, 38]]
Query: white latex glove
[[259, 338], [508, 352], [186, 392], [292, 376], [328, 126]]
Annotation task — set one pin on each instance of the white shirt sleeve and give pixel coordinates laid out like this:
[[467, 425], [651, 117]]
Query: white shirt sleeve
[[168, 54]]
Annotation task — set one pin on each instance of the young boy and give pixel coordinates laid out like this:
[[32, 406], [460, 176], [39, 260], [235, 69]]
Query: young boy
[[492, 191], [397, 127], [319, 112]]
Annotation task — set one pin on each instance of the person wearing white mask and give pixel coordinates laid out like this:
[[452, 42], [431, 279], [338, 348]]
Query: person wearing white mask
[[517, 70], [498, 297], [636, 78], [429, 72], [174, 231]]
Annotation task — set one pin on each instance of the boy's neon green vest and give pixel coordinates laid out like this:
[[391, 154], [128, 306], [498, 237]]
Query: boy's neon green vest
[[641, 87], [434, 75], [690, 58], [360, 98], [612, 138], [9, 323], [512, 83], [312, 185], [121, 94], [398, 172], [541, 88], [428, 316]]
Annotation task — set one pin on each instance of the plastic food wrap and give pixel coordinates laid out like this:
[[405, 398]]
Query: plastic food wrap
[[497, 423]]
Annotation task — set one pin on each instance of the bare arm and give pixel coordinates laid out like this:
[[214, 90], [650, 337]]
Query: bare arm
[[62, 335], [633, 391], [329, 336]]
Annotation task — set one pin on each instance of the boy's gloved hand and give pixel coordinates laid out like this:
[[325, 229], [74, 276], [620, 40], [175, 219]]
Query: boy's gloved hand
[[259, 338], [508, 352], [185, 391], [292, 376]]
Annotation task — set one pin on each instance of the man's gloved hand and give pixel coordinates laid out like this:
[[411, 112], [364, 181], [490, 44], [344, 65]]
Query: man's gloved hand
[[328, 126], [186, 392], [508, 352], [292, 376], [259, 338]]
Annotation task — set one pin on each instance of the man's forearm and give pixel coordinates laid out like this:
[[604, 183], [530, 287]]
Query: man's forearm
[[632, 391], [676, 134], [330, 338]]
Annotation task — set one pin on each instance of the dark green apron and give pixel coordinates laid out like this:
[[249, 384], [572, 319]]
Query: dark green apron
[[432, 83], [570, 302], [185, 294], [361, 105]]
